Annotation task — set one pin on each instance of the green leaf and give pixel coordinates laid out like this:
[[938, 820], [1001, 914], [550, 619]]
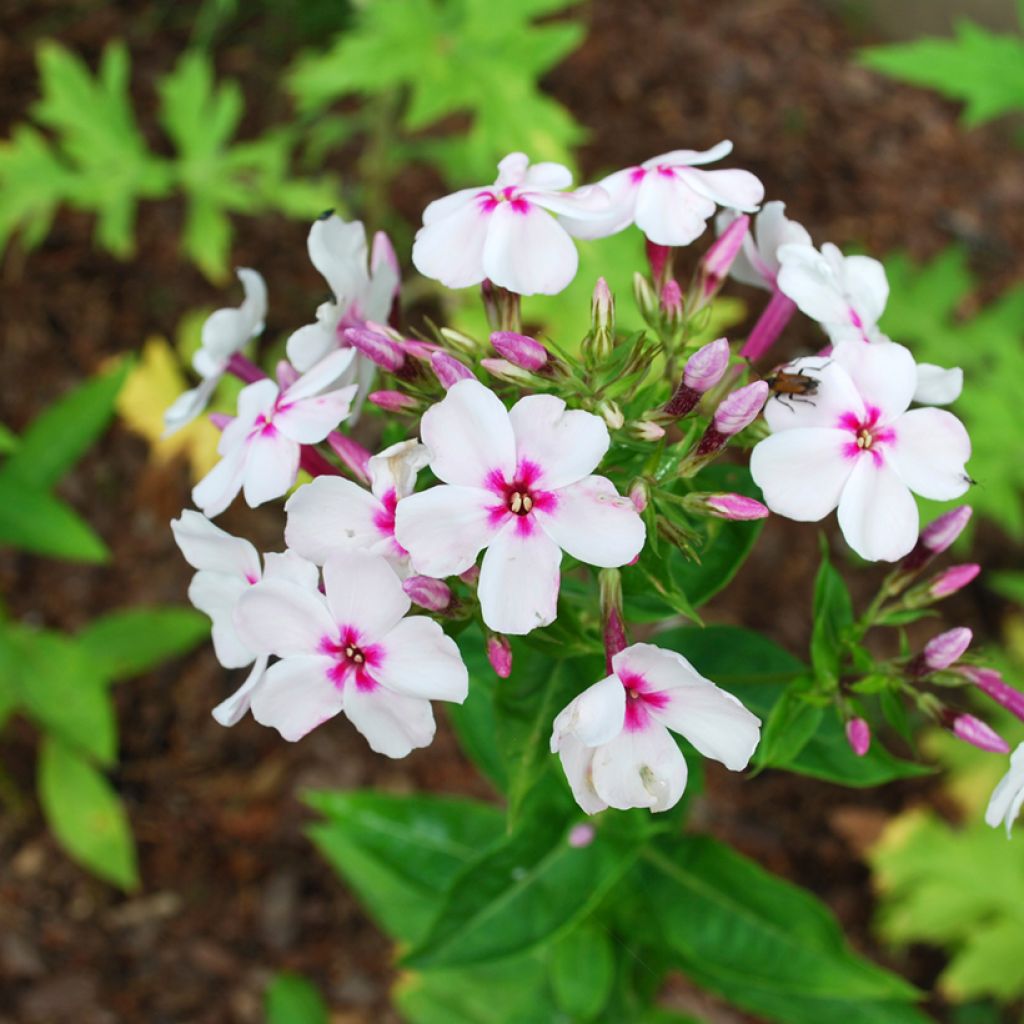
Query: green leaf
[[983, 69], [400, 853], [86, 815], [33, 520], [8, 440], [582, 971], [791, 725], [833, 614], [58, 437], [33, 183], [1009, 584], [291, 999], [762, 943], [525, 706], [530, 887], [61, 689], [757, 671], [128, 643]]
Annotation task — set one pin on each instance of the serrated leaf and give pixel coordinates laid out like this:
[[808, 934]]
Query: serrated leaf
[[33, 520], [33, 184], [86, 814], [291, 999]]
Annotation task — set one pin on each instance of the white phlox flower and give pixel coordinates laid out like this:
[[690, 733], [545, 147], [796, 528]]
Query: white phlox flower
[[1008, 796]]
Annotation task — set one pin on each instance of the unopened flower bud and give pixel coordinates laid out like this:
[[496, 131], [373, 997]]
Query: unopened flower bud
[[376, 346], [991, 683], [942, 651], [858, 735], [659, 259], [671, 302], [499, 654], [646, 298], [955, 578], [936, 537], [646, 430], [581, 835], [433, 595], [520, 350], [703, 370], [640, 495], [612, 624], [770, 324], [740, 408], [352, 453], [421, 350], [974, 731], [714, 267], [725, 506], [490, 301], [393, 401], [461, 342], [600, 340], [509, 372], [449, 370], [611, 413]]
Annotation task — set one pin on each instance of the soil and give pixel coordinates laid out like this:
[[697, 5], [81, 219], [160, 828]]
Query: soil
[[232, 889]]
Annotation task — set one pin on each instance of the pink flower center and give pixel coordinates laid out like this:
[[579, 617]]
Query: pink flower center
[[641, 700], [490, 200], [868, 434], [384, 518], [520, 496], [353, 659]]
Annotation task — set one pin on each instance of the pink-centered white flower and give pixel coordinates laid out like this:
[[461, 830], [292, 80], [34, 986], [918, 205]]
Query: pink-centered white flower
[[227, 567], [854, 445], [614, 739], [330, 514], [758, 261], [669, 199], [506, 232], [518, 483], [350, 649], [224, 333], [1008, 796], [260, 448]]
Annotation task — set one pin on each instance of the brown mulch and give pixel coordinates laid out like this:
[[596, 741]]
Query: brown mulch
[[232, 890]]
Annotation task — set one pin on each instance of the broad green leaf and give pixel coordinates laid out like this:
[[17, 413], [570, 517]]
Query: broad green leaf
[[400, 853], [790, 726], [757, 671], [582, 971], [833, 614], [530, 887], [127, 643], [33, 520], [760, 942], [58, 437], [475, 718], [981, 68], [291, 999], [86, 815], [60, 688]]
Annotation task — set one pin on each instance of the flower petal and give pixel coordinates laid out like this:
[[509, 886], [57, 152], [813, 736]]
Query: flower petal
[[296, 696], [669, 212], [221, 485], [323, 375], [329, 515], [691, 157], [338, 250], [883, 372], [937, 385], [1009, 793], [877, 513], [733, 189], [528, 251], [547, 175], [216, 594], [835, 396], [364, 592], [621, 188], [469, 435], [310, 420], [866, 286], [290, 566], [802, 472], [308, 345], [445, 528], [232, 710], [929, 453], [395, 468], [811, 282], [577, 763], [596, 716], [450, 245], [595, 524], [519, 580], [642, 768], [271, 466], [420, 660], [189, 404], [393, 724], [206, 546], [280, 617], [564, 445]]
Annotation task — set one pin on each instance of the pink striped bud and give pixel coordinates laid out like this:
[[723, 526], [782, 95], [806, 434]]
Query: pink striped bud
[[770, 324], [703, 370], [520, 350], [671, 302], [434, 595], [658, 256], [937, 536], [448, 369], [640, 495], [858, 735], [714, 268], [740, 408], [944, 650], [393, 401], [612, 624], [506, 371], [725, 506], [646, 430], [377, 347], [352, 453], [422, 350], [581, 835], [955, 578], [990, 682], [499, 654], [974, 731]]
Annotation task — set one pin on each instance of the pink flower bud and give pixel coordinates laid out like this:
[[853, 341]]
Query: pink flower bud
[[671, 301], [937, 537], [974, 731], [707, 366], [602, 306], [393, 401], [858, 735], [714, 268], [520, 350], [244, 369], [448, 369], [499, 654], [740, 408], [731, 506], [770, 324], [581, 835], [377, 347], [990, 682], [946, 649], [423, 350], [658, 257], [646, 430], [352, 453], [640, 495], [955, 578], [434, 595]]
